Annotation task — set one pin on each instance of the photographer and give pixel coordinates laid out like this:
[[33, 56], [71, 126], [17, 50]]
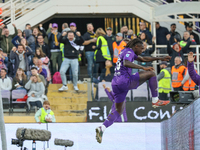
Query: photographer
[[71, 53]]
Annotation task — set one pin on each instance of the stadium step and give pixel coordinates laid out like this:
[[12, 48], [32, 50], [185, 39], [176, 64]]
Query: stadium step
[[31, 119], [69, 107], [55, 87], [67, 100]]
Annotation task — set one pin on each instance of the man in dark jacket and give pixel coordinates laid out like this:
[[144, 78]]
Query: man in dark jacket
[[187, 37], [30, 39], [161, 33], [6, 39], [110, 39], [21, 58], [71, 53], [173, 33], [176, 50], [144, 29], [43, 45]]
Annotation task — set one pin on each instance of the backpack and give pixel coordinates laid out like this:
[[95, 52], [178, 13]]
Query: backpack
[[57, 78]]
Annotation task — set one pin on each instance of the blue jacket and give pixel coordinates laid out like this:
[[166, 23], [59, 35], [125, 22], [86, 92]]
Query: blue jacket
[[52, 41], [161, 33]]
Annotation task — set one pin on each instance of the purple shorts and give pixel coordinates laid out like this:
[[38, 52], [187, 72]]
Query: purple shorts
[[121, 89]]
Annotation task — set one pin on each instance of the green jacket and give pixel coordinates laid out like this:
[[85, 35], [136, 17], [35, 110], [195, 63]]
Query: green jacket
[[4, 43]]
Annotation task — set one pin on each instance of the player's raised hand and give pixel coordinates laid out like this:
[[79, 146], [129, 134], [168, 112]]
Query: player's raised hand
[[166, 58], [148, 68], [190, 57]]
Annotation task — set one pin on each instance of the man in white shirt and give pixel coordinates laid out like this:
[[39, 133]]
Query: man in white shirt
[[5, 82]]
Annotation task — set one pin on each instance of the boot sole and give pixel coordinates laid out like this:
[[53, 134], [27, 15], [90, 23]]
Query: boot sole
[[98, 137]]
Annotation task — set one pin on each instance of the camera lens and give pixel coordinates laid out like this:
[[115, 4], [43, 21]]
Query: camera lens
[[15, 141]]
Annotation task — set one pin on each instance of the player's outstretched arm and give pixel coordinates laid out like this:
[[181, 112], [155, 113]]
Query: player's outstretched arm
[[150, 59], [129, 64], [194, 76]]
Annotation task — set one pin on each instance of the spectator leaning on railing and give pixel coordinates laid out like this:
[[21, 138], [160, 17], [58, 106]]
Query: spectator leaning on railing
[[6, 39], [71, 53], [5, 82]]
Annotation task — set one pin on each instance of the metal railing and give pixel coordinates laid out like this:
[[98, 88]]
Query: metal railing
[[14, 9], [156, 54]]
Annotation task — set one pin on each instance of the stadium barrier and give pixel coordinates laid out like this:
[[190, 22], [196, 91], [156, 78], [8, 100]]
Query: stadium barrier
[[182, 130]]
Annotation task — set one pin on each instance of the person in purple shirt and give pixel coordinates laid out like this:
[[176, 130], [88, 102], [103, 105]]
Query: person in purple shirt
[[110, 94], [192, 72], [123, 81]]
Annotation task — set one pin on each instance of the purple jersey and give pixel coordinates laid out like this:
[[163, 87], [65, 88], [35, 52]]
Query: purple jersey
[[126, 54]]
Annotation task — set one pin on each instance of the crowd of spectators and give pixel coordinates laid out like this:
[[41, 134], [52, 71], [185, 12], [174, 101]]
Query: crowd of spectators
[[30, 58]]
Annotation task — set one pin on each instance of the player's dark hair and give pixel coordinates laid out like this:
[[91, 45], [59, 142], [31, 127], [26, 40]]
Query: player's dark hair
[[133, 43]]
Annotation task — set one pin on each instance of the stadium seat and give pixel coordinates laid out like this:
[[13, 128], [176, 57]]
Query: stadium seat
[[16, 94], [6, 94], [102, 93], [141, 93]]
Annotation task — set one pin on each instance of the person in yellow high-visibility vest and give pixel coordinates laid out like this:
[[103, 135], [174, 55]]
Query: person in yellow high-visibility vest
[[164, 81], [102, 52], [43, 112]]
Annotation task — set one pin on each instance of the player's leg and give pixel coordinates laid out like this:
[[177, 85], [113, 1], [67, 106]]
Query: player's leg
[[153, 85]]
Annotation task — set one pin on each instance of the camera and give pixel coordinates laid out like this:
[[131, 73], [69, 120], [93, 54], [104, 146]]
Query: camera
[[19, 142]]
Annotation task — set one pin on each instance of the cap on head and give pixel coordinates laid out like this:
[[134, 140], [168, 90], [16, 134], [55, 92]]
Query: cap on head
[[1, 49], [55, 25], [109, 28], [163, 63], [119, 34], [190, 24], [72, 24]]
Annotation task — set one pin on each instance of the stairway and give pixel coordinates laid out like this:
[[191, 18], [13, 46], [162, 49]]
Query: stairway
[[68, 106]]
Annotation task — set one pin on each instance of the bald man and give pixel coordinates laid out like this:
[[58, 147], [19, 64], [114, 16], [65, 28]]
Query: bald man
[[144, 29]]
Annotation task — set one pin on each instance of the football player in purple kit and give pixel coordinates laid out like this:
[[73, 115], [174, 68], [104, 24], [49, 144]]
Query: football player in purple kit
[[123, 81]]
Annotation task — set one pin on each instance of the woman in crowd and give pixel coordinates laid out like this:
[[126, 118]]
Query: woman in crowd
[[36, 92], [102, 51], [19, 80], [145, 38], [39, 53], [3, 59]]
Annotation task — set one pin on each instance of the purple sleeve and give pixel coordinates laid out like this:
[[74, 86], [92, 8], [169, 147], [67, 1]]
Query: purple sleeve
[[194, 76], [44, 73], [110, 95], [130, 56]]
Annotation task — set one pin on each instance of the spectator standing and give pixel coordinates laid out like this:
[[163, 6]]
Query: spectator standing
[[144, 29], [44, 46], [89, 42], [30, 39], [164, 81], [73, 27], [42, 112], [118, 45], [161, 33], [178, 72], [186, 39], [147, 53], [189, 28], [71, 53], [20, 56], [102, 52], [5, 82], [56, 54], [36, 91], [173, 33], [6, 39], [176, 50], [19, 80], [28, 26], [110, 39], [124, 31], [65, 27]]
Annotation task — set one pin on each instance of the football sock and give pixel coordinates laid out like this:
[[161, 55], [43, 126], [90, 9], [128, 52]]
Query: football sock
[[153, 84], [111, 118], [103, 128], [154, 99]]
